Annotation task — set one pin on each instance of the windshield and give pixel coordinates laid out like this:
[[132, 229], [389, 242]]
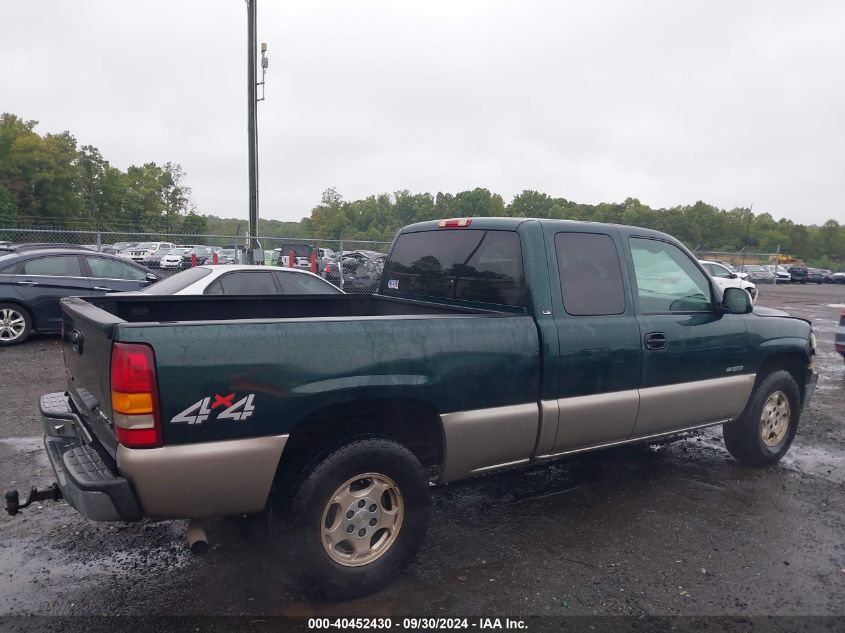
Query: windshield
[[177, 282], [178, 251], [228, 252], [147, 245], [162, 251], [753, 269]]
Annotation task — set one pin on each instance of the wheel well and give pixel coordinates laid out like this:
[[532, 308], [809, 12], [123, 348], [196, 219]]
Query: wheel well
[[412, 423], [793, 362]]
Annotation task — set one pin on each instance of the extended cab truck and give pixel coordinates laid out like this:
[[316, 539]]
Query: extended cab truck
[[491, 343]]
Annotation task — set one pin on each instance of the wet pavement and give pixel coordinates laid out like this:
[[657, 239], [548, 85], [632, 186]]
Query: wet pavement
[[676, 528]]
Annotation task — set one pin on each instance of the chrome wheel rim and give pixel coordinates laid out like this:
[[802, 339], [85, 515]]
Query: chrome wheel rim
[[362, 519], [12, 325], [774, 420]]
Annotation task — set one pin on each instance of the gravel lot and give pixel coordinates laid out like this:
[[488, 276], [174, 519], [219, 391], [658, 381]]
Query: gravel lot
[[674, 529]]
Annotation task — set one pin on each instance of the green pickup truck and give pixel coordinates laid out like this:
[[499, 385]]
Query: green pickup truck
[[491, 342]]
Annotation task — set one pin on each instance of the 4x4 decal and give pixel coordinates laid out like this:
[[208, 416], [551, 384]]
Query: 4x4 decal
[[203, 409]]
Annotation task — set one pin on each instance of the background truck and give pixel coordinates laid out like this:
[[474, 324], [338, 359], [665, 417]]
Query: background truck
[[491, 343]]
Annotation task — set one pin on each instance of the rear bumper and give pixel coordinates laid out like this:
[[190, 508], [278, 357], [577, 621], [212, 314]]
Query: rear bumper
[[184, 481], [88, 484]]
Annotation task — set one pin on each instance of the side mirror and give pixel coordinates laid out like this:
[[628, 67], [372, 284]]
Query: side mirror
[[734, 276], [152, 278], [736, 301]]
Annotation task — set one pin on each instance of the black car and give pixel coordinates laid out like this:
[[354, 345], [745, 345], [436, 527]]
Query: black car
[[815, 276], [798, 274], [33, 280]]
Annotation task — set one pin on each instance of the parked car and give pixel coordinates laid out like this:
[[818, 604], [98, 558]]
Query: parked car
[[724, 278], [361, 271], [839, 337], [828, 275], [302, 252], [201, 253], [815, 276], [780, 272], [33, 281], [118, 247], [154, 260], [480, 351], [838, 278], [173, 259], [12, 247], [224, 256], [757, 274], [143, 250], [242, 279], [798, 273]]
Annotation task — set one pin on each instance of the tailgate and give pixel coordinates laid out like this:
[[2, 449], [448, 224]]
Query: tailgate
[[87, 343]]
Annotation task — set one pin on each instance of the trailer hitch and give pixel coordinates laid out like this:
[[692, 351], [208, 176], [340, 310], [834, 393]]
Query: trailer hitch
[[50, 493]]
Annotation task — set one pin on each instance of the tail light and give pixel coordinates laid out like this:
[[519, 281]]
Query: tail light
[[457, 223], [327, 269], [134, 395]]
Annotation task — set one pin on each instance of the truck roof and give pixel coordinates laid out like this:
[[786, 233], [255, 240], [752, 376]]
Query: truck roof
[[512, 224]]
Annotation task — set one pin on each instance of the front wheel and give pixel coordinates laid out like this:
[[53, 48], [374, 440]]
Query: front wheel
[[765, 430], [358, 517]]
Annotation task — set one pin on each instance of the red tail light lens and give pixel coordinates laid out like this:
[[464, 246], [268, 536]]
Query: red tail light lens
[[456, 223], [134, 395]]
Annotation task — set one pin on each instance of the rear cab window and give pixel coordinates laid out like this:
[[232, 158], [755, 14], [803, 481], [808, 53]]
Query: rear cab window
[[590, 274], [460, 264]]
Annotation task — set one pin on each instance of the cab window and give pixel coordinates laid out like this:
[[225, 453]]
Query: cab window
[[244, 283], [590, 274], [667, 279]]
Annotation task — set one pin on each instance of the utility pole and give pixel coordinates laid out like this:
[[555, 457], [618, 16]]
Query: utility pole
[[252, 130]]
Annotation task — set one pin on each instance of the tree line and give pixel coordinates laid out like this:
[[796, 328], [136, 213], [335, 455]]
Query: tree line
[[51, 181]]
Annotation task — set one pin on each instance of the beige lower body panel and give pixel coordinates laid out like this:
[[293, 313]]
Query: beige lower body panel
[[482, 439], [688, 403], [195, 481], [604, 417]]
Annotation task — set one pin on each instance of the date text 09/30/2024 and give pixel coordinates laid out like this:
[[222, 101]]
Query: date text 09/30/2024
[[481, 624]]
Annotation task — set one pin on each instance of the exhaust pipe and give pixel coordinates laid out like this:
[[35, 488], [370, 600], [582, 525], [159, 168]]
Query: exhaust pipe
[[197, 539]]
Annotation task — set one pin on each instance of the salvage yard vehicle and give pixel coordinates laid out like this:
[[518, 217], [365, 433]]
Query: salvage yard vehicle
[[241, 279], [725, 278], [32, 281], [491, 343], [142, 250]]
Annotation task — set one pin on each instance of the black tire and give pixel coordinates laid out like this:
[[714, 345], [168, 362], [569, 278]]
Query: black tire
[[10, 315], [744, 437], [314, 488]]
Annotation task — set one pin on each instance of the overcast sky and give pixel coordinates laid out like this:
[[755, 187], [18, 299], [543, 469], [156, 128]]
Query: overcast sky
[[670, 102]]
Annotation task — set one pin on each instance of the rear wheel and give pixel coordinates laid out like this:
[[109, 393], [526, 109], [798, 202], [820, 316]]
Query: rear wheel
[[15, 324], [765, 430], [358, 517]]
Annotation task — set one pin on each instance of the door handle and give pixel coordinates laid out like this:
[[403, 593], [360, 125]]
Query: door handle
[[27, 283], [103, 289], [656, 341]]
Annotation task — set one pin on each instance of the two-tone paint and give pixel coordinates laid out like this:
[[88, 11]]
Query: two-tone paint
[[507, 385]]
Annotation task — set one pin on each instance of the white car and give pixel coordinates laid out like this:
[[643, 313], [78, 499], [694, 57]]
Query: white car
[[241, 279], [724, 278]]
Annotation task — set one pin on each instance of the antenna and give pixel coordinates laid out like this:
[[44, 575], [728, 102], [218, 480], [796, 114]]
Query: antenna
[[264, 64]]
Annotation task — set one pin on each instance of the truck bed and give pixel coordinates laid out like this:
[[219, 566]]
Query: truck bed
[[298, 355]]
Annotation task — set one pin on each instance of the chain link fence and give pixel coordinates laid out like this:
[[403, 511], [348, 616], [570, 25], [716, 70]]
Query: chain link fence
[[355, 266]]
